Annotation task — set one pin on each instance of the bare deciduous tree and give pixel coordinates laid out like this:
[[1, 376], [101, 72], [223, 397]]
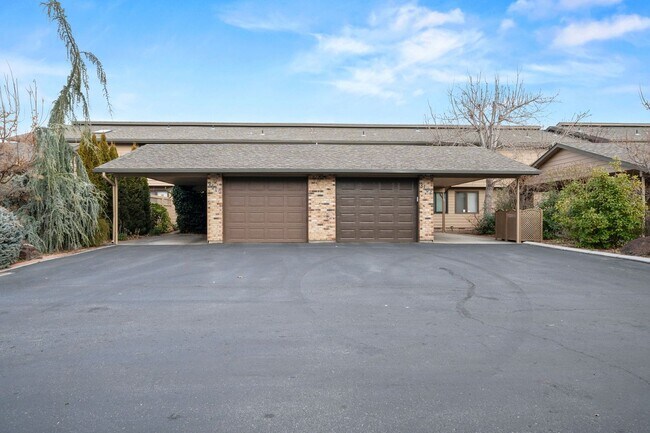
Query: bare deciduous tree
[[16, 149], [482, 110]]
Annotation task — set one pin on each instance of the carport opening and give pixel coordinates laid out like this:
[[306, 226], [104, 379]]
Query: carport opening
[[190, 202]]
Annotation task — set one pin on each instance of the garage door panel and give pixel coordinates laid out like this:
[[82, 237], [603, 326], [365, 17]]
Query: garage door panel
[[376, 210], [255, 217], [238, 216], [265, 210], [296, 202], [294, 217]]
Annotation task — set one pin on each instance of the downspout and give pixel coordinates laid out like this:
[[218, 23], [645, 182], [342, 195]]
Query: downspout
[[444, 209], [645, 201], [113, 184], [518, 214]]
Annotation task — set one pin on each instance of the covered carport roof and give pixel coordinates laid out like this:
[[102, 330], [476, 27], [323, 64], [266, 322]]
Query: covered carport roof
[[190, 162]]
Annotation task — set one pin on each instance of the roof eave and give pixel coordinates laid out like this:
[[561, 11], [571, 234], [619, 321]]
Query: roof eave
[[447, 173]]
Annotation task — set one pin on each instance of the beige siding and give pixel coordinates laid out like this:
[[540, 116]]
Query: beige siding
[[459, 221], [525, 156], [566, 164]]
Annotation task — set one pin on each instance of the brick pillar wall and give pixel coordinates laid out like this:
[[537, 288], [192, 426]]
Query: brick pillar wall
[[426, 208], [214, 192], [321, 195]]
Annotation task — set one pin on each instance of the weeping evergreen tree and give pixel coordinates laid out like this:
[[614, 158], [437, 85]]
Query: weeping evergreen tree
[[65, 205]]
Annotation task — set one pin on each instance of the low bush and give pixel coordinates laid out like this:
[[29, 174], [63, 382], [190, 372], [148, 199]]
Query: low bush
[[160, 221], [11, 237], [602, 211], [552, 228], [485, 224]]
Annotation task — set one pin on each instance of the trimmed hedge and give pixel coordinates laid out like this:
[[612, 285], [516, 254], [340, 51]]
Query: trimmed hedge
[[191, 209]]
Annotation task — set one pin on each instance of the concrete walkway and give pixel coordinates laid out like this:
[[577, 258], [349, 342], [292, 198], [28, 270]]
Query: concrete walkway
[[169, 239], [464, 238]]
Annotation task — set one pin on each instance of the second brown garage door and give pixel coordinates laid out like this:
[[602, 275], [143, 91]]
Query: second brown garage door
[[376, 210], [265, 209]]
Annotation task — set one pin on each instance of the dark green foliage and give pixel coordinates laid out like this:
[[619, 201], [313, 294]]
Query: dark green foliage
[[64, 205], [160, 221], [485, 225], [134, 210], [552, 228], [134, 203], [602, 212], [191, 209], [11, 237]]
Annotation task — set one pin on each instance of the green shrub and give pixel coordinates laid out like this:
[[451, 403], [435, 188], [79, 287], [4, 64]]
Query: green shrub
[[134, 209], [191, 209], [11, 237], [103, 232], [603, 211], [552, 228], [160, 221], [485, 224]]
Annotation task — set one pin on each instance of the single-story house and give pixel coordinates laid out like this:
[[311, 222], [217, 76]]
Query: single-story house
[[361, 184], [456, 208], [600, 145]]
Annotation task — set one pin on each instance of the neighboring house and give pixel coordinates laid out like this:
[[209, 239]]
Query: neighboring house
[[464, 201], [601, 145]]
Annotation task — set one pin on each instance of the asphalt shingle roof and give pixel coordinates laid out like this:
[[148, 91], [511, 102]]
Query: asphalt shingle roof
[[604, 132], [181, 132], [625, 152], [315, 158]]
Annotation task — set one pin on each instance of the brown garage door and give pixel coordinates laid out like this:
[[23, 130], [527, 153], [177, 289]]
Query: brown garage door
[[376, 210], [265, 209]]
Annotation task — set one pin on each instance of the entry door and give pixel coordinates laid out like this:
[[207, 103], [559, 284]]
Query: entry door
[[376, 210], [265, 209]]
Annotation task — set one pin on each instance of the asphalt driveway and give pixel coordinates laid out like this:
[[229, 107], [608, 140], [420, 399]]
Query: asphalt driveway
[[320, 338]]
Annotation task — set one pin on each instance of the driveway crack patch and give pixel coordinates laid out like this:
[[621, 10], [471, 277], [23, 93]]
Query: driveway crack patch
[[461, 306]]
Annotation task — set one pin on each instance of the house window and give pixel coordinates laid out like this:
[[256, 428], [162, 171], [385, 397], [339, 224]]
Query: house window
[[467, 202], [438, 202]]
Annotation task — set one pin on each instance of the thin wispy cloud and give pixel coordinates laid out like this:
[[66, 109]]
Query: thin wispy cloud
[[549, 8], [21, 66], [581, 33], [250, 16], [388, 54], [507, 24]]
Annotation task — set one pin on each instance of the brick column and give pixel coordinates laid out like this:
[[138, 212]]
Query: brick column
[[321, 196], [426, 208], [214, 193]]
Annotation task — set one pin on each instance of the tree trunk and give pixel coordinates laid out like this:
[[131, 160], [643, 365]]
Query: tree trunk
[[488, 203]]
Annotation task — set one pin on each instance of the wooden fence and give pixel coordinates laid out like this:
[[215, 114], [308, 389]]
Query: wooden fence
[[531, 224]]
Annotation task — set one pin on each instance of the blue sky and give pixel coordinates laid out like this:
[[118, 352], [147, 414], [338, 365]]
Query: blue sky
[[352, 61]]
